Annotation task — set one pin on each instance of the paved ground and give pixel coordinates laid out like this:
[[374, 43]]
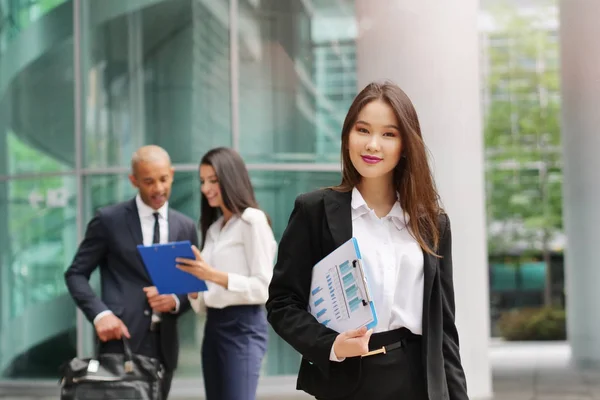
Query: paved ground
[[540, 371], [521, 371]]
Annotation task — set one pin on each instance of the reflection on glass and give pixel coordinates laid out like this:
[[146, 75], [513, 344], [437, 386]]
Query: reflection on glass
[[17, 15], [38, 237], [297, 79], [167, 86], [276, 192], [36, 107]]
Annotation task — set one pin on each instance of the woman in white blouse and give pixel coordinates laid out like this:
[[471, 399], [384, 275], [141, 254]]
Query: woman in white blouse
[[387, 200], [238, 251]]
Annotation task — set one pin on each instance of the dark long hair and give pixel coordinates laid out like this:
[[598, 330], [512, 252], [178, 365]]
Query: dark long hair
[[412, 176], [236, 189]]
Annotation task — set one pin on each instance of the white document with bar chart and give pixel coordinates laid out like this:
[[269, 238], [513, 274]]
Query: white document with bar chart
[[339, 293]]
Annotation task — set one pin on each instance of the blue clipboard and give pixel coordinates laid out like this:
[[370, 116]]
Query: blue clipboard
[[159, 260]]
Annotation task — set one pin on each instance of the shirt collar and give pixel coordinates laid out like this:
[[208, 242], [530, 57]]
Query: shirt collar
[[359, 205], [360, 208], [145, 210]]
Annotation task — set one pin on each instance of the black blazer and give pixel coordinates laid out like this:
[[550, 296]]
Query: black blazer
[[320, 222], [110, 242]]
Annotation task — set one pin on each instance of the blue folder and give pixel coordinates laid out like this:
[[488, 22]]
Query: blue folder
[[159, 260]]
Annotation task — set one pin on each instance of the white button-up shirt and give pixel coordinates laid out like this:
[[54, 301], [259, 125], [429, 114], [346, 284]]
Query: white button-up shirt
[[394, 265], [146, 214], [245, 249]]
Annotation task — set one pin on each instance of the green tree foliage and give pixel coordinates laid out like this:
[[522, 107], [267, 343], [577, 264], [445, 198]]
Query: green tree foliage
[[522, 136]]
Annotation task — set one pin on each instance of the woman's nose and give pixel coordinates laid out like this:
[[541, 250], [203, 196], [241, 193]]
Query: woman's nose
[[373, 143]]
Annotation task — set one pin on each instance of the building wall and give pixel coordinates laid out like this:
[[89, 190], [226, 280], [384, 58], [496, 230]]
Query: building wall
[[86, 92]]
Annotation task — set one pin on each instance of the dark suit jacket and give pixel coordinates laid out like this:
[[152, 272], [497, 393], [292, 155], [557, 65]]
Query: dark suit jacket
[[320, 222], [110, 242]]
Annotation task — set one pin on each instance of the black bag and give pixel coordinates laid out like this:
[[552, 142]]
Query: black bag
[[112, 377]]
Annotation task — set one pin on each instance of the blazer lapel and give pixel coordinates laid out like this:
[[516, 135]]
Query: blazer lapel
[[173, 227], [338, 213], [135, 228], [430, 264], [134, 224], [430, 267]]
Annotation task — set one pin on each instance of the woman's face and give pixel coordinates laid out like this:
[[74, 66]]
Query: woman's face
[[210, 186], [374, 142]]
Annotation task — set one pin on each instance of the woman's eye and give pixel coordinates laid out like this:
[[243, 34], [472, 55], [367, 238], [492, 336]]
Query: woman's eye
[[363, 130]]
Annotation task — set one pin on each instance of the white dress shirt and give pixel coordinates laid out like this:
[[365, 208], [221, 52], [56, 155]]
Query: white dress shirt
[[146, 215], [393, 262], [245, 249]]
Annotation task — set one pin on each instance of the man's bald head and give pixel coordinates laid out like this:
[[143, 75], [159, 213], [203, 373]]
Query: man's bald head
[[152, 175], [149, 154]]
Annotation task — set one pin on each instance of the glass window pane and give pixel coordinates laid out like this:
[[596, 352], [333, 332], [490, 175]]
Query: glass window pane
[[276, 192], [36, 89], [297, 79], [167, 86], [38, 237]]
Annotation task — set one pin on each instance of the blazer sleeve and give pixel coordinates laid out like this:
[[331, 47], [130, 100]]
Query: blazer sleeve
[[289, 293], [455, 375], [91, 251]]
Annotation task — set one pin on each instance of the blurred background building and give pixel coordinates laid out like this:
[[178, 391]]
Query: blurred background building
[[83, 83]]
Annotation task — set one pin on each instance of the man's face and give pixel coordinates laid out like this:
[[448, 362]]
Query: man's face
[[153, 179]]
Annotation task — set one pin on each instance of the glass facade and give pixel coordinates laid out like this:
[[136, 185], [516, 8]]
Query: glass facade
[[83, 83]]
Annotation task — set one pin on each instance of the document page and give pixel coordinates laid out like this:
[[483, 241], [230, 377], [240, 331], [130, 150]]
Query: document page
[[339, 295]]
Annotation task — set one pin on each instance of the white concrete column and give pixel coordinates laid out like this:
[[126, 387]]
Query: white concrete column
[[580, 69], [430, 49]]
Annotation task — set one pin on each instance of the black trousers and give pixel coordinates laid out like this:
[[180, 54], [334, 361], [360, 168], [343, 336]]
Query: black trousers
[[234, 345], [399, 374], [152, 347]]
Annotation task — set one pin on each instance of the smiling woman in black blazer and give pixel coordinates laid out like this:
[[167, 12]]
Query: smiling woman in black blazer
[[387, 200]]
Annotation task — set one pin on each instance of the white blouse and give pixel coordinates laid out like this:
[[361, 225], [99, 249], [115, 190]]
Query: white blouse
[[394, 265], [245, 249], [393, 262]]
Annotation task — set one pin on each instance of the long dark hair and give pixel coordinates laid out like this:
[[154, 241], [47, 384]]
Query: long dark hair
[[236, 189], [412, 176]]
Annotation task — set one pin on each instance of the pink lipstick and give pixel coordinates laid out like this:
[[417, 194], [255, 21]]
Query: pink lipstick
[[371, 159]]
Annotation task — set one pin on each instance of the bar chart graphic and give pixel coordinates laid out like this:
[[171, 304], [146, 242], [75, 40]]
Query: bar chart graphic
[[338, 296]]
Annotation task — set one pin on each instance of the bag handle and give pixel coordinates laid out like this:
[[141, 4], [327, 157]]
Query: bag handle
[[127, 353], [128, 366]]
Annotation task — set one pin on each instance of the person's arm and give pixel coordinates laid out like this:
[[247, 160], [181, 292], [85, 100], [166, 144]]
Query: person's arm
[[260, 248], [455, 375], [289, 293], [91, 251]]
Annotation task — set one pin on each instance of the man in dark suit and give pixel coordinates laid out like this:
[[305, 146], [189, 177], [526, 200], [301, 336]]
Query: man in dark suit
[[129, 305]]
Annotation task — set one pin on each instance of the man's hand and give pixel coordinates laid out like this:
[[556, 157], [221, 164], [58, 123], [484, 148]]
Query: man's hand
[[352, 343], [159, 302], [110, 327]]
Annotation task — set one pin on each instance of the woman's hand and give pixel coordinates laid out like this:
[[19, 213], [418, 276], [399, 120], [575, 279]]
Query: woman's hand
[[352, 343], [201, 270]]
